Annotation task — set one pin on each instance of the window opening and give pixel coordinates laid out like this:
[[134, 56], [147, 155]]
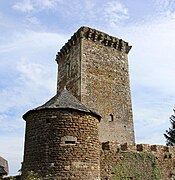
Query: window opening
[[69, 142], [110, 118], [48, 121], [127, 177], [68, 70]]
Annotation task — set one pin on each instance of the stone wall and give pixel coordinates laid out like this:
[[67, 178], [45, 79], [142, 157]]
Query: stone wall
[[105, 89], [98, 76], [3, 166], [69, 70], [61, 144], [142, 161]]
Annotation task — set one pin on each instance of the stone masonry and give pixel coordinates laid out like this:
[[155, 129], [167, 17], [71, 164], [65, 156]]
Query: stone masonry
[[62, 141], [3, 167], [85, 132], [94, 68], [141, 161]]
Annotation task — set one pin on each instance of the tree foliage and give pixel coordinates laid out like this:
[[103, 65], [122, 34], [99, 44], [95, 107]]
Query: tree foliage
[[170, 134]]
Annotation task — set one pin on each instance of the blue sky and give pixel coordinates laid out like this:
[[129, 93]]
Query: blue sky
[[33, 31]]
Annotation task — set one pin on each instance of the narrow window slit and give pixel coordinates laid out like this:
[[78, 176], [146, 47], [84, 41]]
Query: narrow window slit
[[110, 118], [69, 142], [48, 121]]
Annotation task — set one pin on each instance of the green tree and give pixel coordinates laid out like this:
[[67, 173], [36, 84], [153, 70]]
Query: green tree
[[170, 134]]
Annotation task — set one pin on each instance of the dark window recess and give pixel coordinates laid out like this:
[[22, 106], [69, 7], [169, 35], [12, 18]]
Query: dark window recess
[[127, 177], [48, 121], [69, 142], [68, 70], [110, 118], [105, 146]]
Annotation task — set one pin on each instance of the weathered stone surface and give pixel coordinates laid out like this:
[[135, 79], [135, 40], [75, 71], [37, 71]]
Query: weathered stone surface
[[3, 166], [62, 136], [62, 144], [142, 161], [95, 69]]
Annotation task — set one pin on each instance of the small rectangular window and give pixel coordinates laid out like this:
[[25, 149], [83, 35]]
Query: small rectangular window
[[48, 121], [69, 142], [110, 118], [68, 70], [127, 177]]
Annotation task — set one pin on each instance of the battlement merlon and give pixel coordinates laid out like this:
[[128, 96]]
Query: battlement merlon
[[94, 35], [113, 146]]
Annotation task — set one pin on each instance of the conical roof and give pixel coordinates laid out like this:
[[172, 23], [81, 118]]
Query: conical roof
[[64, 100]]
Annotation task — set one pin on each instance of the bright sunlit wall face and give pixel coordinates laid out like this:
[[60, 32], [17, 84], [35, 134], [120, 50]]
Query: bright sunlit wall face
[[94, 67]]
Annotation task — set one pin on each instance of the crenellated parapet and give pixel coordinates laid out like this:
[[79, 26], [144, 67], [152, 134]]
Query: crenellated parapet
[[96, 36], [154, 149], [137, 161]]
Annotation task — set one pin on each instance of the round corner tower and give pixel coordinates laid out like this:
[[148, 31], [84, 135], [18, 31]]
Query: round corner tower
[[61, 140]]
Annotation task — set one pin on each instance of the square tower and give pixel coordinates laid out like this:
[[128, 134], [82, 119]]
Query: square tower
[[94, 68]]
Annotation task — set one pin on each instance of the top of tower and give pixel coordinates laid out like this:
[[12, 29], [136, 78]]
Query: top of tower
[[64, 100], [95, 35], [3, 166]]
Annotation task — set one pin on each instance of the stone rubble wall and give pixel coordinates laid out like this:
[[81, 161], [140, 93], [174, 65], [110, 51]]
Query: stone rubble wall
[[106, 90], [62, 144], [69, 71], [94, 68], [4, 164], [112, 153]]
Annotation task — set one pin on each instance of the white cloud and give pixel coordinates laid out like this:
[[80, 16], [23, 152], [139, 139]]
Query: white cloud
[[35, 5], [151, 118], [166, 8], [12, 150], [89, 12], [151, 138], [30, 59], [32, 20], [10, 123], [114, 12], [164, 4], [47, 3], [24, 6], [33, 83], [30, 42]]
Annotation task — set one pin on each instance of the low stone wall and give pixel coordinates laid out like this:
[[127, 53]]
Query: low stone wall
[[141, 161]]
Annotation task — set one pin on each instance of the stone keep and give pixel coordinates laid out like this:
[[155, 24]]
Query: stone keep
[[94, 68], [61, 140]]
